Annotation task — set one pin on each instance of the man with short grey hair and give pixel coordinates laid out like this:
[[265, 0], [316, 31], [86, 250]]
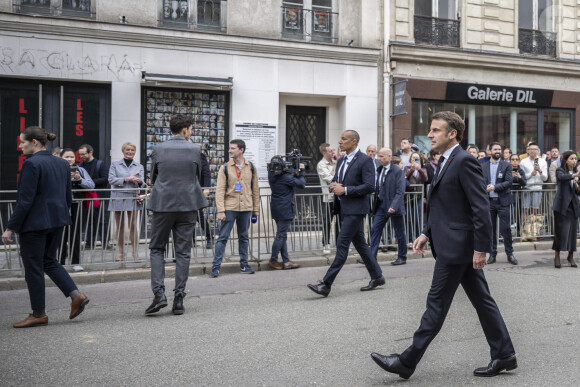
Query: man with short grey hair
[[175, 199]]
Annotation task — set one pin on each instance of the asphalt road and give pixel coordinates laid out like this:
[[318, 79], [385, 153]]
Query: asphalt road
[[268, 329]]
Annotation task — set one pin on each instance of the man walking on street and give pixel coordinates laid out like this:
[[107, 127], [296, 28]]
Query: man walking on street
[[237, 199], [175, 199], [458, 228], [389, 203], [352, 184]]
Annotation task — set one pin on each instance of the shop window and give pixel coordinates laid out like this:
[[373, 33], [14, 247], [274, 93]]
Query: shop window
[[512, 127], [536, 27], [436, 22], [310, 20], [65, 8], [199, 14]]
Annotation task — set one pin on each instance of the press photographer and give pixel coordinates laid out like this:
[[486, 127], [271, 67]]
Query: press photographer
[[285, 174]]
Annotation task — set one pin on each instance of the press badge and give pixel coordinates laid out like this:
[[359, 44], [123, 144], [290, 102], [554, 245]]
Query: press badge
[[238, 187], [500, 175]]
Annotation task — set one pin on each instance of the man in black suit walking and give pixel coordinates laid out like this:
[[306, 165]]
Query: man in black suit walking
[[458, 228], [352, 183], [497, 175]]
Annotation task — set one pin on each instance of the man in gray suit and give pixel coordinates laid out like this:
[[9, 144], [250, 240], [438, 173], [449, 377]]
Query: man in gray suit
[[175, 199]]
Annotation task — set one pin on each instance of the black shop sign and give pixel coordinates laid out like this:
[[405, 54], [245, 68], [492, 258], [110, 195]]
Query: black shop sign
[[498, 95]]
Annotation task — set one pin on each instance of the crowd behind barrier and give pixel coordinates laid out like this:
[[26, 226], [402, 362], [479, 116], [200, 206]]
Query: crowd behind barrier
[[304, 237]]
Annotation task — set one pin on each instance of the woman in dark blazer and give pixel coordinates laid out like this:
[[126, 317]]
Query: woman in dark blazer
[[283, 208], [566, 209], [39, 217]]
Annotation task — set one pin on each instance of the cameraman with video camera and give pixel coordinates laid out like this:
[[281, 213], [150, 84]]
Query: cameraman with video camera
[[284, 177]]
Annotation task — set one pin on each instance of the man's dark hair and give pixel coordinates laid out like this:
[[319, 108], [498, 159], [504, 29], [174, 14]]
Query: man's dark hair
[[87, 147], [454, 122], [323, 147], [433, 152], [531, 143], [492, 144], [240, 143], [473, 146], [180, 121]]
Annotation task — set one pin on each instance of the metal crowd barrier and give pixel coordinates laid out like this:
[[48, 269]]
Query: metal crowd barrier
[[101, 235]]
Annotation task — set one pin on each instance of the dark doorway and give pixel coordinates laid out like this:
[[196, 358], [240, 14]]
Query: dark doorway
[[306, 130]]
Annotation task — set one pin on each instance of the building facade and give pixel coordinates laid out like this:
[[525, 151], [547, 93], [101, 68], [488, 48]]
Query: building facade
[[510, 68], [279, 74]]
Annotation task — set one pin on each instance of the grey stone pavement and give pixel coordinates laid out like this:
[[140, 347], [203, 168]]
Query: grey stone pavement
[[268, 329]]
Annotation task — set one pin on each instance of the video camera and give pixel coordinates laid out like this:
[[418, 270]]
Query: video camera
[[289, 163]]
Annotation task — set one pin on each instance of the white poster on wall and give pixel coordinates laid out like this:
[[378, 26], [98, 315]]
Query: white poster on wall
[[261, 144]]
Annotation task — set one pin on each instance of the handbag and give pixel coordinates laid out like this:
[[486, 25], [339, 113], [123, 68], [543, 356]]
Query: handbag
[[94, 202]]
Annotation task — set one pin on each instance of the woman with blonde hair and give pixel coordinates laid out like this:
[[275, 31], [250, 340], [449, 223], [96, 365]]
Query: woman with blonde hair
[[124, 176]]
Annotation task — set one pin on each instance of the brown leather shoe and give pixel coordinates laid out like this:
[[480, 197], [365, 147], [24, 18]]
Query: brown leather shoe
[[31, 321], [78, 305], [275, 265], [291, 265]]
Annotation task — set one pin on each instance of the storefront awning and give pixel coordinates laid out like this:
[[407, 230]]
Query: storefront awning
[[186, 81]]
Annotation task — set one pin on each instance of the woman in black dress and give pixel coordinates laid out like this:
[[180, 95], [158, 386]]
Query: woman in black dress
[[566, 209]]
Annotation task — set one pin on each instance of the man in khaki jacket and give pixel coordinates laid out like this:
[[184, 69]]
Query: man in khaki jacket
[[237, 199]]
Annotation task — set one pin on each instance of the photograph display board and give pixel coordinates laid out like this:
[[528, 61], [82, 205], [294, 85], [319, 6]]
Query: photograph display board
[[209, 110]]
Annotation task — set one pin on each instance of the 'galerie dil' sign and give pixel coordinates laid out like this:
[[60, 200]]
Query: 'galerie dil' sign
[[498, 95]]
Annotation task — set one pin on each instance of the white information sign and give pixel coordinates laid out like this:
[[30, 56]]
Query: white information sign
[[261, 144]]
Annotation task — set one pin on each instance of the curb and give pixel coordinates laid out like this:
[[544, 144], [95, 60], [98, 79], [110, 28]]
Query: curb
[[202, 269]]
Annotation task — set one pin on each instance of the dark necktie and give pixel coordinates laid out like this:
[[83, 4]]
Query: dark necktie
[[381, 180], [439, 167], [341, 171]]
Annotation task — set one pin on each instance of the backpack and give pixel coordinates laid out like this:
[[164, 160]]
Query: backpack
[[251, 167]]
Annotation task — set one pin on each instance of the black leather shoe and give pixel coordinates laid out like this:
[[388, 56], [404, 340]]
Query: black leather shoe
[[160, 301], [496, 366], [373, 284], [358, 260], [491, 259], [393, 364], [398, 261], [320, 288], [178, 305], [512, 259]]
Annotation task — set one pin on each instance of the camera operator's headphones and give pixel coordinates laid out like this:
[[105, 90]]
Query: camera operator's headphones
[[277, 166]]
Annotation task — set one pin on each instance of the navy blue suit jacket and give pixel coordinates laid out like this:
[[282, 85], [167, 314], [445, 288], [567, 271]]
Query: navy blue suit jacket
[[44, 194], [503, 181], [392, 192], [205, 180], [565, 194], [458, 220], [283, 203], [359, 180]]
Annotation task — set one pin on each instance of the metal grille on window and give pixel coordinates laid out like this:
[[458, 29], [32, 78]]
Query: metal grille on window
[[302, 133], [76, 7], [34, 6], [209, 14], [175, 12], [293, 19]]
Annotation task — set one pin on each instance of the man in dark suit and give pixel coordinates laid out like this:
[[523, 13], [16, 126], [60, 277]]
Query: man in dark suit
[[175, 199], [458, 228], [389, 203], [497, 175], [351, 185]]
